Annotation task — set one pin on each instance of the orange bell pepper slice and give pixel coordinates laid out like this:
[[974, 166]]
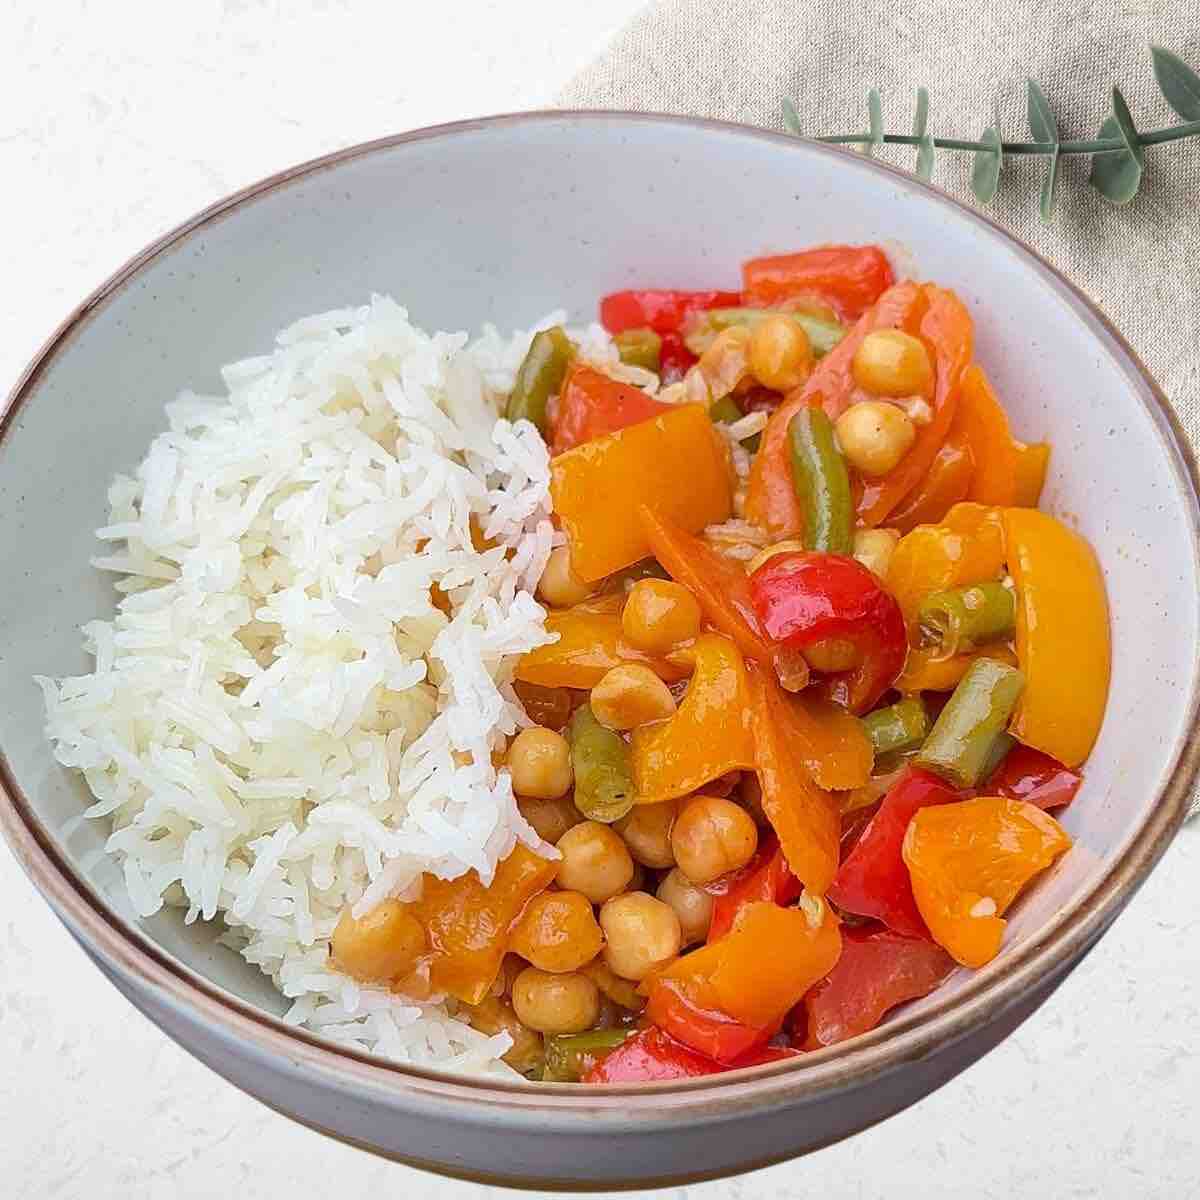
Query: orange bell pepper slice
[[771, 497], [969, 860], [759, 970], [947, 329], [589, 645], [468, 924], [710, 734], [924, 671], [992, 445], [720, 585], [830, 742], [968, 547], [771, 958], [1032, 461], [805, 818], [850, 278], [1063, 640], [945, 484], [675, 463], [592, 404]]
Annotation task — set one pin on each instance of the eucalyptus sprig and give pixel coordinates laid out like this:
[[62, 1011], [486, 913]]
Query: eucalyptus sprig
[[1118, 151]]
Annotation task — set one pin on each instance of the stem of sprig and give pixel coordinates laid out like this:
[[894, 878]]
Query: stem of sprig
[[1118, 151], [1149, 137]]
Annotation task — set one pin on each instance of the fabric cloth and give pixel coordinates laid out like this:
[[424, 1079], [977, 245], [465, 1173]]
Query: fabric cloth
[[737, 59]]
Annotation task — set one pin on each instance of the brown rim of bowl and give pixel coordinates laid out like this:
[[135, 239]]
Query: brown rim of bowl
[[906, 1038]]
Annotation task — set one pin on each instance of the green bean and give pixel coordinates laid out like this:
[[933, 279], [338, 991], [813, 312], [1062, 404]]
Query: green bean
[[703, 328], [603, 770], [967, 617], [1001, 745], [639, 348], [822, 483], [570, 1056], [539, 376], [961, 744], [724, 410], [900, 726]]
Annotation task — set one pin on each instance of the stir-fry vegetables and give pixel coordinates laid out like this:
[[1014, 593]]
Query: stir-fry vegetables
[[813, 682]]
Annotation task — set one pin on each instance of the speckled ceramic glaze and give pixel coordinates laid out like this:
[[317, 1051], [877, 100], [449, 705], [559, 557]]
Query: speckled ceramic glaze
[[503, 220]]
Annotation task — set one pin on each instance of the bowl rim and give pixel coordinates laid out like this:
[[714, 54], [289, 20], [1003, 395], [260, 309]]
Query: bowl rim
[[991, 992]]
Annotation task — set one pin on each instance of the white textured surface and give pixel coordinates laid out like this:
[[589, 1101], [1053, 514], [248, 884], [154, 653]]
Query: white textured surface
[[110, 131]]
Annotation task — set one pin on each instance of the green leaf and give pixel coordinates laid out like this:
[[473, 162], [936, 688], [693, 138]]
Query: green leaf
[[1050, 185], [925, 152], [875, 109], [791, 118], [1179, 84], [1129, 134], [985, 177], [921, 117], [925, 147], [1042, 124], [1116, 174], [1044, 127]]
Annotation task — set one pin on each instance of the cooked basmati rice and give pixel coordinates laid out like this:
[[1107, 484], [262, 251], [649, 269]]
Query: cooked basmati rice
[[280, 722]]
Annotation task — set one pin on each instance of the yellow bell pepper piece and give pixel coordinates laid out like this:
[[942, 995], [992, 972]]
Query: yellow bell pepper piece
[[589, 645], [1063, 641], [675, 464], [967, 547], [924, 671], [710, 734], [1032, 461], [969, 860]]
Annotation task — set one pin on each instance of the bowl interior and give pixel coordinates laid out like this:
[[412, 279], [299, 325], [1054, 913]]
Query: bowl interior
[[503, 222]]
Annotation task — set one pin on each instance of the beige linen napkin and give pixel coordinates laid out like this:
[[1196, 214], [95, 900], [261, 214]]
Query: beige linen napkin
[[736, 59]]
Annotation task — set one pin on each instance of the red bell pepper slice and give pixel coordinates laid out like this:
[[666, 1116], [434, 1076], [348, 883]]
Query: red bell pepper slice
[[873, 881], [674, 358], [1028, 774], [765, 877], [591, 404], [848, 278], [662, 310], [674, 1008], [878, 969], [650, 1056], [803, 598], [653, 1056]]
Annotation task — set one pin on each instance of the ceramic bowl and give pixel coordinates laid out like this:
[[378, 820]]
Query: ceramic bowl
[[503, 220]]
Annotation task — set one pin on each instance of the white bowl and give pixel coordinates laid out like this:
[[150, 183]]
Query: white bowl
[[503, 220]]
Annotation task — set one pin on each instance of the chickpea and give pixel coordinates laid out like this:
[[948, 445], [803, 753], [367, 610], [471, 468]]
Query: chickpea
[[631, 695], [540, 762], [647, 833], [832, 655], [557, 932], [890, 362], [788, 547], [493, 1016], [658, 615], [873, 548], [874, 436], [380, 946], [693, 906], [594, 861], [712, 836], [781, 356], [550, 818], [555, 1003], [642, 932], [559, 586]]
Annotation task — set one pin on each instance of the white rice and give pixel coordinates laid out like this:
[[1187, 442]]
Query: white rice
[[280, 723]]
